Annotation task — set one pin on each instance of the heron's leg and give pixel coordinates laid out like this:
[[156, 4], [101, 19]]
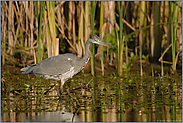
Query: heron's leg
[[61, 85], [58, 92]]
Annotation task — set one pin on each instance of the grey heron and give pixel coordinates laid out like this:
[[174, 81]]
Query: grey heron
[[64, 66]]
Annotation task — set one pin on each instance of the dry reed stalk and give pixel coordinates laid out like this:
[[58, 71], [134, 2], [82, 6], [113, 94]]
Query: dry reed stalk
[[58, 14], [57, 47], [141, 36], [31, 26], [148, 30], [129, 25], [19, 48], [19, 19], [3, 30], [86, 21], [25, 3], [70, 19], [79, 49], [80, 23], [164, 27], [66, 38], [59, 4], [34, 56], [165, 17], [179, 29], [109, 7], [9, 58], [22, 24], [48, 38], [160, 59], [62, 19], [73, 25], [43, 37], [136, 24], [10, 26], [27, 25], [141, 22], [18, 27], [152, 35]]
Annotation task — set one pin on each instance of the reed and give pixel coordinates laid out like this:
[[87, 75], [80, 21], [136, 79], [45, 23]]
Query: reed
[[52, 27], [142, 21], [162, 71], [101, 37], [31, 26], [117, 40], [81, 31], [157, 29], [39, 14], [21, 12], [34, 29], [86, 30], [126, 41], [121, 44], [48, 36], [173, 27], [93, 45], [73, 25], [3, 28], [10, 22]]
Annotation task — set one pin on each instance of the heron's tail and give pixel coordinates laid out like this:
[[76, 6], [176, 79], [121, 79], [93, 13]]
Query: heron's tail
[[27, 69]]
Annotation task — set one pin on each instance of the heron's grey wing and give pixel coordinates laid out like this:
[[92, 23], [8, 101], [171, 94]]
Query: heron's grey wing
[[55, 65]]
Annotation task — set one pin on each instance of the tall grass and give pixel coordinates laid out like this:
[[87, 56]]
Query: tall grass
[[51, 19], [3, 28], [173, 26], [48, 36], [101, 37], [120, 53], [81, 27], [87, 15], [157, 30], [93, 45], [39, 14], [142, 20], [117, 40], [30, 28]]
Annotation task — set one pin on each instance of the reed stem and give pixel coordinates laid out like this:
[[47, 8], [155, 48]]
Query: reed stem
[[100, 30], [93, 45]]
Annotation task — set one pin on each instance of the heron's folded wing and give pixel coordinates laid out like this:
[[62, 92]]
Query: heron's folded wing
[[54, 65]]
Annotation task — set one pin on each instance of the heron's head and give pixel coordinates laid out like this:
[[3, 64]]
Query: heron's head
[[96, 40]]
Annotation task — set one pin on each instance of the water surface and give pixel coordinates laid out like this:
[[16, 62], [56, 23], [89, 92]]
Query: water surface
[[91, 99]]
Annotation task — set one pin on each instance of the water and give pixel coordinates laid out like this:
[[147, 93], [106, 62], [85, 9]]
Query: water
[[92, 99]]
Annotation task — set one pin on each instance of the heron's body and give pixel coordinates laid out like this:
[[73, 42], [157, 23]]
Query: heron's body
[[49, 68], [62, 67]]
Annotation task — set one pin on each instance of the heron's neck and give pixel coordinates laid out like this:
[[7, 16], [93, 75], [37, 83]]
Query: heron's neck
[[86, 57]]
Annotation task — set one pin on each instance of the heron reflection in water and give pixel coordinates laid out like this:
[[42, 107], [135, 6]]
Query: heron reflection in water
[[64, 66]]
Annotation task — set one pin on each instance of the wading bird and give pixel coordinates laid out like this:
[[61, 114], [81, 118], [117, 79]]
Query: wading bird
[[64, 66]]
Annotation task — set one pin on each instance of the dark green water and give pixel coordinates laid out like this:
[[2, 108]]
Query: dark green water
[[86, 99]]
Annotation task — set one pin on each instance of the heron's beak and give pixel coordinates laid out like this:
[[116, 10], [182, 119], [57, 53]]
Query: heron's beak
[[103, 43]]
